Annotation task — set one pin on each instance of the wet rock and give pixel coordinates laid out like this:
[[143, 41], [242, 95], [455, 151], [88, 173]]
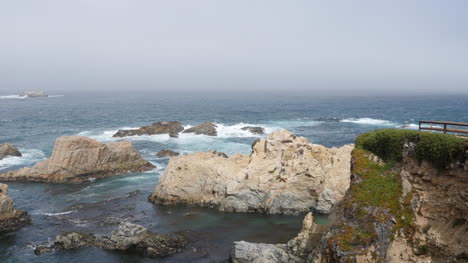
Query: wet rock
[[8, 149], [10, 218], [254, 129], [130, 238], [207, 128], [166, 153], [276, 178], [77, 159], [163, 127]]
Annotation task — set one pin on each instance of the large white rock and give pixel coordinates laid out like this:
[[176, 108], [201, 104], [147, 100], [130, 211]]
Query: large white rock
[[284, 174]]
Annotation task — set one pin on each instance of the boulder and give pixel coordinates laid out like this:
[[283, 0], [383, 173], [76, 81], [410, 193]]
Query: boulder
[[130, 238], [206, 128], [10, 218], [295, 251], [163, 127], [254, 129], [166, 153], [77, 159], [284, 174], [8, 149]]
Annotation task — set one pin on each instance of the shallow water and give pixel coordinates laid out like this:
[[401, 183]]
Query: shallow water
[[34, 124]]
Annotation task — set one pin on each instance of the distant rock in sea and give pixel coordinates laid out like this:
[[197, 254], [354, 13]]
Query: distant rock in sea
[[166, 153], [254, 129], [35, 94], [206, 128], [284, 174], [77, 159], [129, 238], [163, 127], [8, 149], [10, 218]]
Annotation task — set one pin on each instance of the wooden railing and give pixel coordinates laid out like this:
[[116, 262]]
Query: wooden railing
[[456, 129]]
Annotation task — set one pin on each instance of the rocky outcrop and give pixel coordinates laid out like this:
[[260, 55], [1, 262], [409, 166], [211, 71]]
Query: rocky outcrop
[[284, 174], [35, 94], [8, 149], [206, 128], [10, 218], [77, 159], [166, 153], [295, 251], [254, 129], [163, 127], [129, 238], [413, 211]]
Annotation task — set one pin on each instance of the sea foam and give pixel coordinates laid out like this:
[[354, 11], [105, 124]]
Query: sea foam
[[369, 121]]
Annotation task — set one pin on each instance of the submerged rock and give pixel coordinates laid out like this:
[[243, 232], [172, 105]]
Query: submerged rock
[[167, 153], [284, 174], [77, 159], [163, 127], [207, 128], [254, 129], [10, 218], [8, 149], [130, 238]]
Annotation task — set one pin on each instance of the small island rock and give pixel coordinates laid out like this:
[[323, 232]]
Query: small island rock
[[206, 128], [254, 129], [77, 159], [166, 153], [10, 218], [8, 149], [163, 127]]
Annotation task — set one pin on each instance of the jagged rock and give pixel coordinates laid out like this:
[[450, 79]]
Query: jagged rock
[[254, 129], [10, 218], [284, 174], [166, 153], [206, 128], [35, 94], [163, 127], [129, 237], [77, 159], [8, 149], [296, 250]]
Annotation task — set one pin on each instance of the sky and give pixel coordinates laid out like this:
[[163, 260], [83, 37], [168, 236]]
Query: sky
[[332, 46]]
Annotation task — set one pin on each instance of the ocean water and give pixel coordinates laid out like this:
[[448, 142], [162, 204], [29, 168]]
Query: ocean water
[[33, 124]]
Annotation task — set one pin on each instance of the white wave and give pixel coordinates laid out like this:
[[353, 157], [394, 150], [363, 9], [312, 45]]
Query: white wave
[[59, 214], [13, 97], [30, 156], [369, 121], [410, 126]]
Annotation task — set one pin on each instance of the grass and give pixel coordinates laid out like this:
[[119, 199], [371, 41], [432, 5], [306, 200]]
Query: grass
[[436, 148]]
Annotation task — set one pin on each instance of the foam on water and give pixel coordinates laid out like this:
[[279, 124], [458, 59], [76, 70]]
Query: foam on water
[[55, 214], [369, 121], [13, 97], [30, 156]]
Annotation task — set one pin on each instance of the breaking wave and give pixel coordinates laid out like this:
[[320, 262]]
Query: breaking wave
[[369, 121]]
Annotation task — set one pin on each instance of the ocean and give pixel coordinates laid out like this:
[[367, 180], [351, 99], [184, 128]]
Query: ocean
[[33, 124]]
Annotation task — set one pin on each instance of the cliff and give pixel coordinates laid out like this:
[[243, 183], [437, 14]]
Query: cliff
[[407, 201]]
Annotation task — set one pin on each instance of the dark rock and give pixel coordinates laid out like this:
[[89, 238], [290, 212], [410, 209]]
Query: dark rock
[[10, 218], [254, 129], [8, 149], [207, 128], [130, 238], [163, 127], [166, 153]]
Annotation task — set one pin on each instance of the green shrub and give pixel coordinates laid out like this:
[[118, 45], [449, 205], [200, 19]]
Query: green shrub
[[436, 148]]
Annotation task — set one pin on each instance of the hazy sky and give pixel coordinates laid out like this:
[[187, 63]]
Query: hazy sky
[[238, 44]]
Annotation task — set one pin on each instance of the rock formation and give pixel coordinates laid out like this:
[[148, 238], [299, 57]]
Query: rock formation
[[206, 128], [414, 210], [254, 129], [130, 238], [295, 251], [10, 218], [166, 153], [76, 159], [8, 149], [163, 127], [284, 174]]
